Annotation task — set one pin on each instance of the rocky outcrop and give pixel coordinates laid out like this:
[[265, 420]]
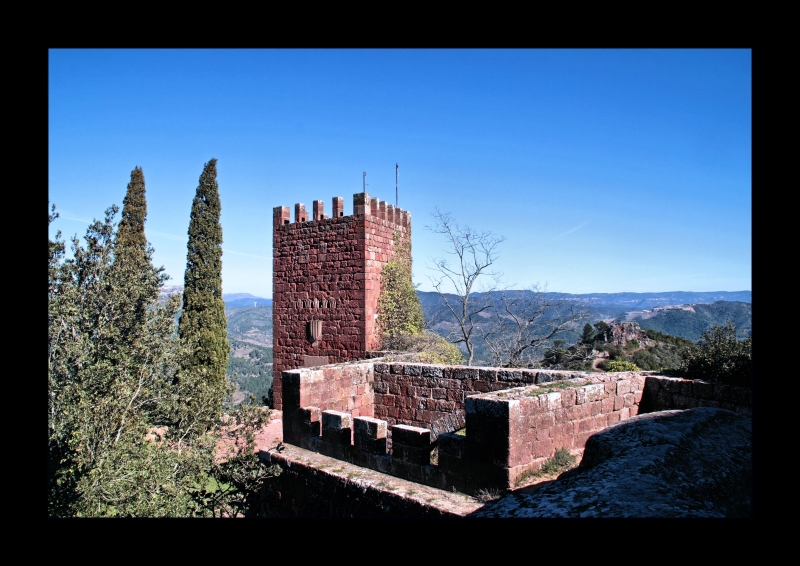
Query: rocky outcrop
[[693, 463], [621, 333]]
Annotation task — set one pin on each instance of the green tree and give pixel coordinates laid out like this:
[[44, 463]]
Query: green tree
[[134, 213], [719, 356], [133, 256], [203, 325], [104, 387], [125, 438]]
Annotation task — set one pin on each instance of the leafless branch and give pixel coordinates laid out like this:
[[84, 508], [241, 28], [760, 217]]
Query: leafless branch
[[467, 273]]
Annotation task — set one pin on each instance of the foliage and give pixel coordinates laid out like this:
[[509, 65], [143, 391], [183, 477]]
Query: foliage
[[561, 460], [134, 213], [576, 357], [399, 309], [125, 437], [251, 373], [237, 482], [632, 345], [474, 254], [618, 365], [203, 325], [719, 356], [667, 338], [109, 385], [424, 347]]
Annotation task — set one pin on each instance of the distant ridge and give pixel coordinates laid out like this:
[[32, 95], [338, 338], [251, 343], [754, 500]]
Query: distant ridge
[[232, 300], [244, 300], [641, 300]]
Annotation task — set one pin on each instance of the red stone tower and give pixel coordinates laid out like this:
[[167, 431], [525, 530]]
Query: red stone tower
[[326, 281]]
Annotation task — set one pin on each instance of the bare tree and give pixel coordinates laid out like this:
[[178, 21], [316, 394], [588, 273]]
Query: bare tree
[[469, 274], [523, 324]]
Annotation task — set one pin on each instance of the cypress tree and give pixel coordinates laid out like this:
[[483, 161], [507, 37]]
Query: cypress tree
[[203, 324], [133, 267], [134, 213]]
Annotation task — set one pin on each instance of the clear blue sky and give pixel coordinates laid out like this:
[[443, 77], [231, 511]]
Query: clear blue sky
[[606, 170]]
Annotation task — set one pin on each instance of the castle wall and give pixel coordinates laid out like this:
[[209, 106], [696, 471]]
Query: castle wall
[[390, 416], [328, 270], [433, 396]]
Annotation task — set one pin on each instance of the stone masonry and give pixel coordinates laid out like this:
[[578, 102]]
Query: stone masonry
[[389, 417], [326, 281]]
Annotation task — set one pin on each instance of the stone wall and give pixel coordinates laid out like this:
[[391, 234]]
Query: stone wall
[[346, 387], [512, 432], [433, 396], [666, 393], [390, 416], [328, 270]]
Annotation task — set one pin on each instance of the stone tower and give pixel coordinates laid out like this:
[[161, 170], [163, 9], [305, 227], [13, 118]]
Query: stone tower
[[326, 281]]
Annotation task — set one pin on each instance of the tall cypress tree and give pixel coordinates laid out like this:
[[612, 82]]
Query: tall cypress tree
[[134, 213], [203, 324], [133, 267]]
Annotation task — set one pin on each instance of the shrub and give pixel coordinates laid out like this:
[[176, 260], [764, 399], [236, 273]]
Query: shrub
[[558, 462], [720, 357], [632, 345], [424, 347], [618, 365]]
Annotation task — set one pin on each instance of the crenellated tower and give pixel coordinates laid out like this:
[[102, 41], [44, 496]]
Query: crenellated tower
[[326, 280]]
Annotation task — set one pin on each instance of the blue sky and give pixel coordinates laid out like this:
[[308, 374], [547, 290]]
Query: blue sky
[[605, 170]]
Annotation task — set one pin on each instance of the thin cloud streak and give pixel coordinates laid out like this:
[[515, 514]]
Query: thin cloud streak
[[67, 215], [569, 231], [176, 238]]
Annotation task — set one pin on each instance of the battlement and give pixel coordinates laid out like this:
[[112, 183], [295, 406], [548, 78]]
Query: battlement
[[363, 205], [389, 417]]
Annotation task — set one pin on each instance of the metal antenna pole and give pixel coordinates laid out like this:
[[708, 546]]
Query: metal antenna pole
[[365, 181], [396, 175]]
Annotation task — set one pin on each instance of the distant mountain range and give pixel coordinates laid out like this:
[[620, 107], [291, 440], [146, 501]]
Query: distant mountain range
[[232, 300], [689, 321], [607, 306], [244, 300], [679, 313], [619, 302]]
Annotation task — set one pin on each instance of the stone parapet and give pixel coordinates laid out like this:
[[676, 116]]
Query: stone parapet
[[666, 393]]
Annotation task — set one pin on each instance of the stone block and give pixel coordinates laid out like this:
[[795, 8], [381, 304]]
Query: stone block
[[369, 435], [509, 375], [412, 370], [432, 371], [452, 445], [594, 392], [411, 436], [336, 427]]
